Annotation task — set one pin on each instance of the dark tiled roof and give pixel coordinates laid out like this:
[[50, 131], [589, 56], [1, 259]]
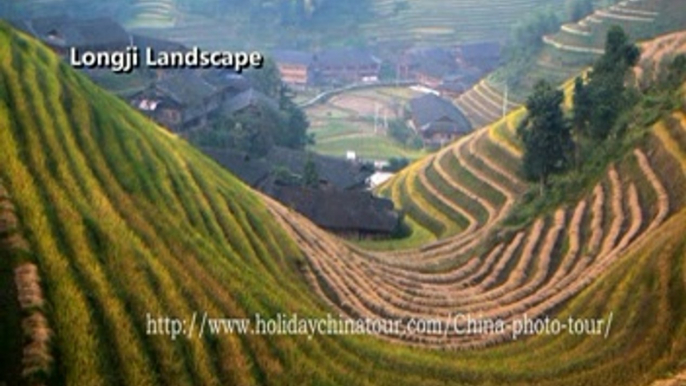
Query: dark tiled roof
[[346, 57], [455, 87], [340, 173], [434, 62], [435, 69], [341, 210], [429, 109], [185, 88], [226, 79], [293, 57], [434, 54], [250, 97], [251, 171], [462, 80]]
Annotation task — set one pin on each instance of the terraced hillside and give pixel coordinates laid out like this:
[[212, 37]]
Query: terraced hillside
[[123, 220], [574, 47], [484, 103], [467, 188], [533, 270], [639, 18], [435, 22], [152, 14]]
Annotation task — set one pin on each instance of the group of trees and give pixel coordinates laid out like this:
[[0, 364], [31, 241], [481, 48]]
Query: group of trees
[[606, 105], [257, 129], [599, 102], [550, 137], [291, 125]]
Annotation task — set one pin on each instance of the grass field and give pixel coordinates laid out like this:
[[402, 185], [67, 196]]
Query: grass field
[[123, 219]]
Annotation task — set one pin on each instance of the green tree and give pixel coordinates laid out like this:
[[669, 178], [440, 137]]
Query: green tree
[[545, 133], [580, 111], [291, 130], [396, 164], [285, 176], [240, 137], [266, 79], [294, 124], [676, 72], [605, 92], [399, 131], [310, 174], [252, 134]]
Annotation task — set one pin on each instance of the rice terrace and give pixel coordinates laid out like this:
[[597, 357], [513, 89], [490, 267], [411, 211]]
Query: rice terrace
[[130, 256]]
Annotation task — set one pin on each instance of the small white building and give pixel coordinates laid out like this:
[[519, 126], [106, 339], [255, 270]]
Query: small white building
[[378, 179]]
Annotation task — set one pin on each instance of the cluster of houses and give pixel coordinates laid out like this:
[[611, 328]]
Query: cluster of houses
[[447, 71], [181, 100], [333, 67], [442, 73], [186, 100], [341, 203]]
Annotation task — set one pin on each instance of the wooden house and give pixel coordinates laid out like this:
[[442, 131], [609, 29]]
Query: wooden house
[[296, 67], [437, 120], [349, 214], [347, 65]]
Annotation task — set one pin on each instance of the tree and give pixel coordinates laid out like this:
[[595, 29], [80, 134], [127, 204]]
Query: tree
[[291, 130], [675, 72], [310, 174], [294, 124], [605, 92], [545, 133], [240, 138], [252, 134], [580, 112], [396, 164], [266, 79], [399, 131]]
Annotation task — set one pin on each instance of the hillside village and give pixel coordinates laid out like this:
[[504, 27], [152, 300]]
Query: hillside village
[[194, 102]]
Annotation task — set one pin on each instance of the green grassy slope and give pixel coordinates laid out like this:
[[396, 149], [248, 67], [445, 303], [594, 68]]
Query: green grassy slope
[[123, 219]]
